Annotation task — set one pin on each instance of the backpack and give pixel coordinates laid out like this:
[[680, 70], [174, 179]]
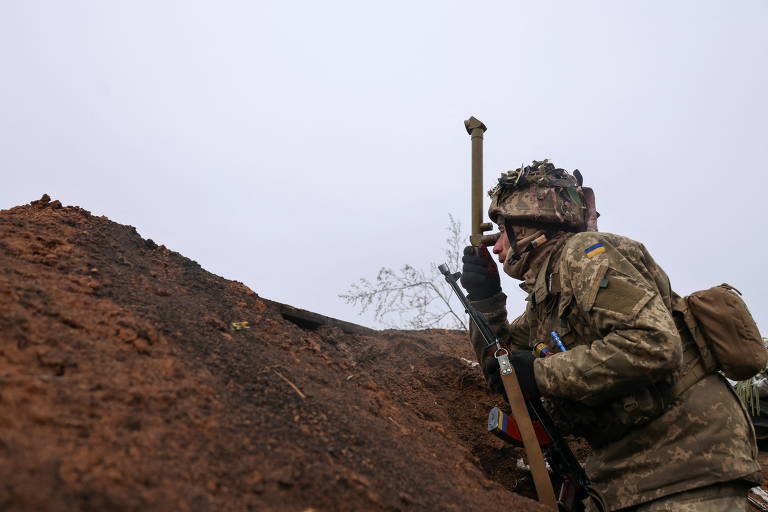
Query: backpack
[[724, 331]]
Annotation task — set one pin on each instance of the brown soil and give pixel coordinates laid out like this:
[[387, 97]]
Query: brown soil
[[124, 386]]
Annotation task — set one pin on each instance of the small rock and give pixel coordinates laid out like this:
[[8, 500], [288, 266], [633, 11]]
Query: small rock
[[42, 201]]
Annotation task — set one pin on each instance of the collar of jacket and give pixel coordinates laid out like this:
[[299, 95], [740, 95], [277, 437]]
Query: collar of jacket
[[548, 282], [540, 288]]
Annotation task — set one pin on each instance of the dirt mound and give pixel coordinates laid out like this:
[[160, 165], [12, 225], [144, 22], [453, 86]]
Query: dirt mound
[[125, 386]]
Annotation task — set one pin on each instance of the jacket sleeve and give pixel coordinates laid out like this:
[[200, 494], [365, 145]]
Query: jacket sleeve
[[513, 334], [638, 342]]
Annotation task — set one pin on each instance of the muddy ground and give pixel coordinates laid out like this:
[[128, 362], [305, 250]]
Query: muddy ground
[[125, 386]]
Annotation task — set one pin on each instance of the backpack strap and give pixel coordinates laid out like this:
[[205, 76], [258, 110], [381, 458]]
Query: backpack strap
[[680, 305]]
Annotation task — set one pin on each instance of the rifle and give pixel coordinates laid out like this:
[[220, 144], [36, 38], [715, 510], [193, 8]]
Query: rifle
[[568, 474]]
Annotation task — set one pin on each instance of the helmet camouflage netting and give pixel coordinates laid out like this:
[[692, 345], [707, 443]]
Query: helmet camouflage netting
[[541, 194]]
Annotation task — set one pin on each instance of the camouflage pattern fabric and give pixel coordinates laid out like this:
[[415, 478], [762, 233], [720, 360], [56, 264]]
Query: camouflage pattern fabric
[[539, 193], [610, 304], [728, 497]]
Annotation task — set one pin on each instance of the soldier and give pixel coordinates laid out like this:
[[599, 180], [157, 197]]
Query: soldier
[[665, 434]]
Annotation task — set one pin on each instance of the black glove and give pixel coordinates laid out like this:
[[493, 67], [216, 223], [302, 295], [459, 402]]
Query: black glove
[[479, 275], [522, 362]]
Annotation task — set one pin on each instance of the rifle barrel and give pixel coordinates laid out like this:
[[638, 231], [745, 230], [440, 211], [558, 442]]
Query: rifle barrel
[[488, 335]]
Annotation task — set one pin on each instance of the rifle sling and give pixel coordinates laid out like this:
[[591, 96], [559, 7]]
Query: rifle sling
[[536, 462]]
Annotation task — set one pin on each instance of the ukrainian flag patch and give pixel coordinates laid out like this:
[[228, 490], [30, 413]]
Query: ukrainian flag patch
[[594, 250]]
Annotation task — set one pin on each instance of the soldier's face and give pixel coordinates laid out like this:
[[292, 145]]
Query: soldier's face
[[502, 246]]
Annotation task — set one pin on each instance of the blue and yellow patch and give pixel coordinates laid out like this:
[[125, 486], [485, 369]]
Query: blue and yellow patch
[[594, 250]]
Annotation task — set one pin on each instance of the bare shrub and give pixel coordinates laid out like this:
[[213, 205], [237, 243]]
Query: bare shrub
[[413, 298]]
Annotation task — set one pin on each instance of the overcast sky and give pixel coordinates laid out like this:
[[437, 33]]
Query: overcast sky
[[299, 146]]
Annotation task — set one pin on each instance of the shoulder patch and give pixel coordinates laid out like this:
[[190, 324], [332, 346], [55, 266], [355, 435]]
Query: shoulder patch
[[594, 250], [622, 296]]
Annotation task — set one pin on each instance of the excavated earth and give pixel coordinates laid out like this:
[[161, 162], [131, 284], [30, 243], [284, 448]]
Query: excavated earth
[[125, 386]]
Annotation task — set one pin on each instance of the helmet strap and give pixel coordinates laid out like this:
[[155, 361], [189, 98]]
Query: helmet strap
[[549, 233]]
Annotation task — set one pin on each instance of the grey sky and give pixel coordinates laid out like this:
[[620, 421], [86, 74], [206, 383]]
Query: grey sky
[[298, 146]]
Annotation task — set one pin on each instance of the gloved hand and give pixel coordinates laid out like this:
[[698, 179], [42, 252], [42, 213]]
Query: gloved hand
[[479, 275], [522, 362]]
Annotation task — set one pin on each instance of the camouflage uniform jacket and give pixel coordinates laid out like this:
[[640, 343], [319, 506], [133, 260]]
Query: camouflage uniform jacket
[[611, 305]]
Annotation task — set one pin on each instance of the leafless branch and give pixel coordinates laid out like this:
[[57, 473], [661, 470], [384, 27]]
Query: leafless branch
[[410, 297]]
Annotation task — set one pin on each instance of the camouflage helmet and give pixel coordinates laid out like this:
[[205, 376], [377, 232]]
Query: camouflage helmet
[[542, 195]]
